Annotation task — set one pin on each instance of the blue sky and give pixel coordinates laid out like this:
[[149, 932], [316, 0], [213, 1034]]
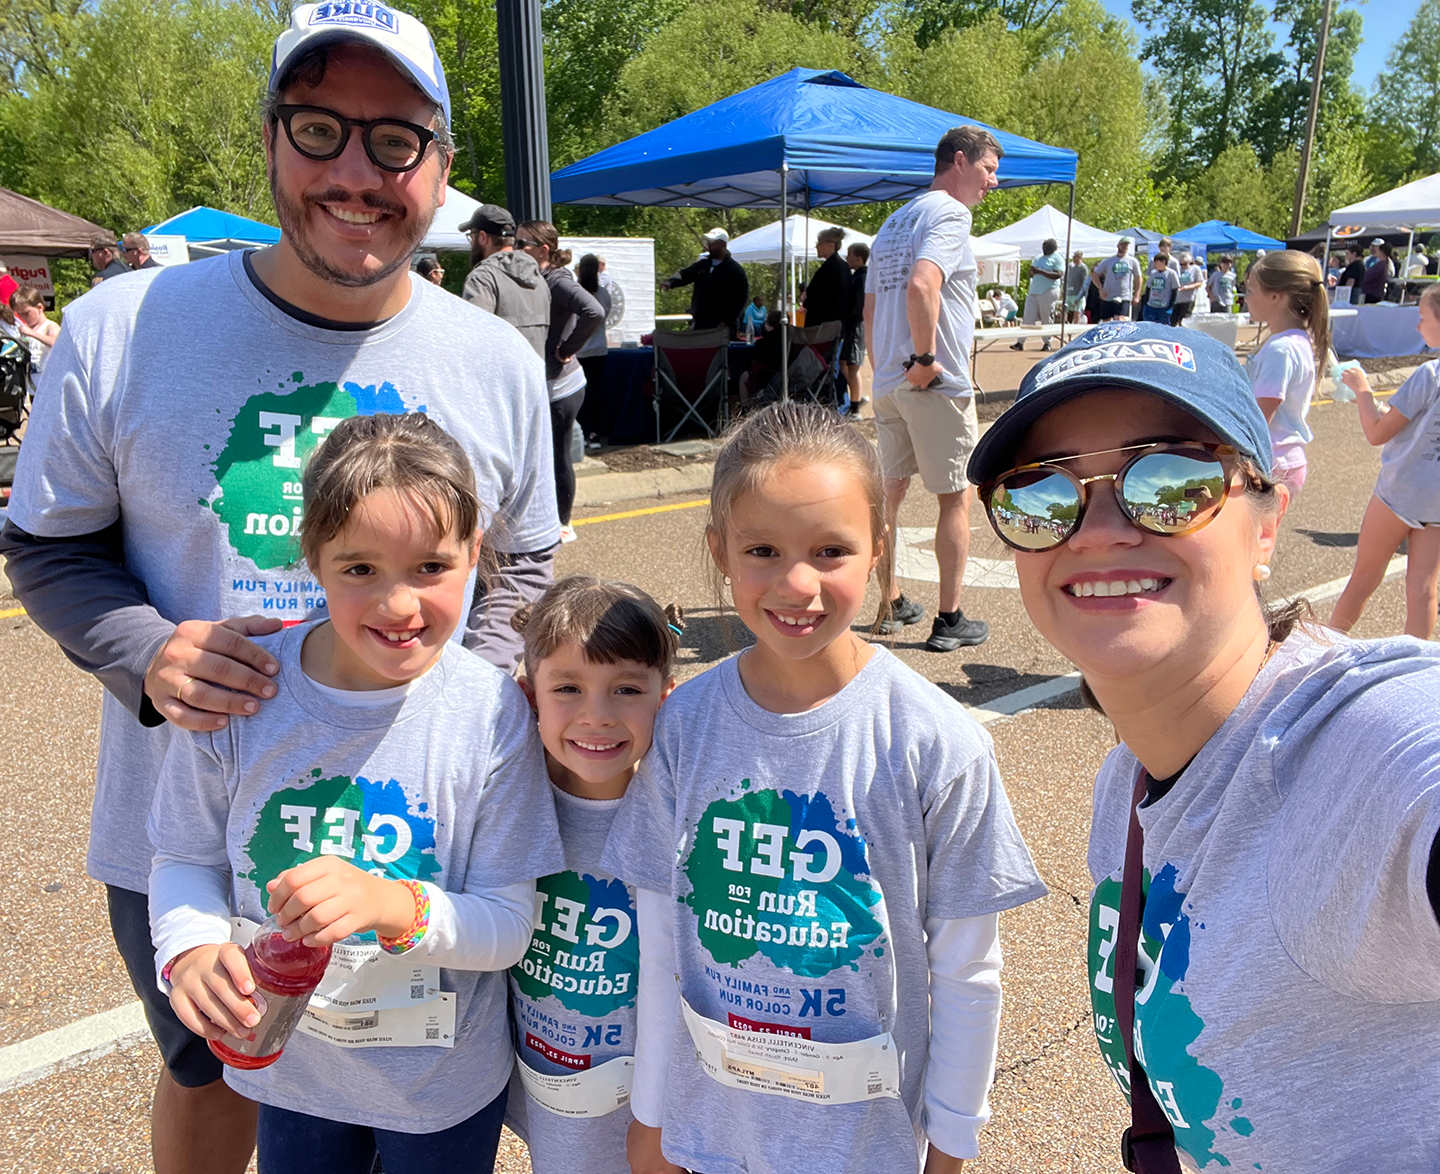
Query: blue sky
[[1385, 21]]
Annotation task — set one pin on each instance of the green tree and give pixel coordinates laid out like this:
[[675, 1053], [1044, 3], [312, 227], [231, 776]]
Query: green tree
[[1406, 106], [1217, 60], [151, 107]]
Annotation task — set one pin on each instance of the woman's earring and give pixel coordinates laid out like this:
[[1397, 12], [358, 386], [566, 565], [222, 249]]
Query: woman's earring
[[1261, 572], [726, 579]]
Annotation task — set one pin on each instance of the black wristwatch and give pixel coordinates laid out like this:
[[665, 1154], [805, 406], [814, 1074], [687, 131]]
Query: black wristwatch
[[925, 360]]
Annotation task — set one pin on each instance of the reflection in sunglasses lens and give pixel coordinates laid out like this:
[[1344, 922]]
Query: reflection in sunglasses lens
[[1035, 510], [1171, 492]]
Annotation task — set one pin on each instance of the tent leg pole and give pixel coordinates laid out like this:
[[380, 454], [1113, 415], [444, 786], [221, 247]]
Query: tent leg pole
[[1405, 265], [785, 254], [1325, 265], [1065, 265]]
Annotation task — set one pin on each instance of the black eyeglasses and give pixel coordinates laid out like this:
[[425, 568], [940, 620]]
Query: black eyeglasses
[[1165, 489], [392, 144], [519, 244]]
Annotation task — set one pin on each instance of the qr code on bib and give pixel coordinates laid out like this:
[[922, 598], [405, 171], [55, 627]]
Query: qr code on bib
[[417, 992], [432, 1033]]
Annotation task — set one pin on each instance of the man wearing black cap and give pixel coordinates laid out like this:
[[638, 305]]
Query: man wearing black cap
[[106, 258], [506, 283]]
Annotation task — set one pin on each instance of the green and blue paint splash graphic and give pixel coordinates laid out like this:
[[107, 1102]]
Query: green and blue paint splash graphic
[[584, 950], [258, 471], [370, 823], [777, 874], [1166, 1025]]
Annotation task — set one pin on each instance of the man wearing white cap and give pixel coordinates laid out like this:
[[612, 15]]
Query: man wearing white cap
[[158, 490], [721, 287]]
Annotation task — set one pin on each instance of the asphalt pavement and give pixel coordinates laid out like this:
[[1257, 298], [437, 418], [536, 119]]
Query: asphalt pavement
[[79, 1101]]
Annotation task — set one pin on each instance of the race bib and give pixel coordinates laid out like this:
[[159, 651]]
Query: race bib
[[426, 1025], [362, 977], [595, 1092], [783, 1066]]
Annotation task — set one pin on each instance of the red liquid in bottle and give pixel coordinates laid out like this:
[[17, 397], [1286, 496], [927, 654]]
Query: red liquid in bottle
[[286, 973]]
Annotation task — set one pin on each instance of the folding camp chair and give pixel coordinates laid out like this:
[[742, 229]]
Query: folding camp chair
[[812, 361], [14, 385], [692, 378]]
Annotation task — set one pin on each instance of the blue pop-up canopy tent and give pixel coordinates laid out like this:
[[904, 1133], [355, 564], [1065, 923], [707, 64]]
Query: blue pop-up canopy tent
[[1221, 234], [809, 138], [209, 231]]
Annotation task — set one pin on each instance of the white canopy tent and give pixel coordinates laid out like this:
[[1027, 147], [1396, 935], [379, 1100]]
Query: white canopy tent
[[1028, 235], [1412, 205], [763, 245], [445, 228]]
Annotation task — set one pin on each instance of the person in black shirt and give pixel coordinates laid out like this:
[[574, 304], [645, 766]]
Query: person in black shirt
[[721, 287], [825, 299], [105, 259], [852, 341], [1354, 271]]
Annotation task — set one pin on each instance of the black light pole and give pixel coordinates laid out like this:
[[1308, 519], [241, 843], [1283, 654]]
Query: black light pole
[[522, 109]]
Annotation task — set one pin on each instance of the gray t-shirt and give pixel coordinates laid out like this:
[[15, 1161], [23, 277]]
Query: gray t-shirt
[[183, 401], [805, 852], [1290, 1014], [1189, 274], [572, 997], [447, 785], [1162, 286], [934, 227], [1409, 481], [1116, 277]]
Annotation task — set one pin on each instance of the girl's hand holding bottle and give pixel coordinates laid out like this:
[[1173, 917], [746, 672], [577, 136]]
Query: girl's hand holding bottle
[[325, 900], [1353, 376], [212, 991]]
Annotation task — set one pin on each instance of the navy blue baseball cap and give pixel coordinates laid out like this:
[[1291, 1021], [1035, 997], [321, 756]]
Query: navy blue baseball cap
[[1195, 372]]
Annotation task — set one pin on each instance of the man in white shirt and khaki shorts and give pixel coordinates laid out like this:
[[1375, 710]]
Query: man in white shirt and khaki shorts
[[919, 323]]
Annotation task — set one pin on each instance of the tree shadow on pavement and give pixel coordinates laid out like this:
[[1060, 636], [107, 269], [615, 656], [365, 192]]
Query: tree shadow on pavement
[[1322, 538]]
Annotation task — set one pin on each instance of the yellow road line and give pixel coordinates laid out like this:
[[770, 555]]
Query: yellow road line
[[654, 509], [12, 613]]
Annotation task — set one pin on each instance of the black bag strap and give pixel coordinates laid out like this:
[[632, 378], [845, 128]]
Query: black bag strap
[[1148, 1146]]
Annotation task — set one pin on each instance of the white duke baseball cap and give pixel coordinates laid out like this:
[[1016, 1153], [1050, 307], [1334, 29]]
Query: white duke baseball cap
[[397, 34]]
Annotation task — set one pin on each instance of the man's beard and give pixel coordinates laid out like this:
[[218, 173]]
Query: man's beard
[[292, 217], [477, 252]]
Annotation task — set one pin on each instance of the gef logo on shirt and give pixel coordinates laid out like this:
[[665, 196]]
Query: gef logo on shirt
[[584, 950], [258, 471], [777, 875]]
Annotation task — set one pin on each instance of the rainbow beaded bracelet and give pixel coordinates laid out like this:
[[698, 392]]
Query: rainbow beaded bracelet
[[411, 937]]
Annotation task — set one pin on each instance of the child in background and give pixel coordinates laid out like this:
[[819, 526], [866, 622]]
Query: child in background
[[821, 847], [1286, 291], [28, 305], [1221, 286], [1162, 283], [394, 787], [597, 668], [1406, 504], [1005, 308]]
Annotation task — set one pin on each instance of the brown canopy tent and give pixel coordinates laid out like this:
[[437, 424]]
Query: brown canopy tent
[[28, 226]]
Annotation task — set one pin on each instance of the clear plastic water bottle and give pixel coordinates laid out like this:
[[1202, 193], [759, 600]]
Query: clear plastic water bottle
[[749, 331], [285, 974]]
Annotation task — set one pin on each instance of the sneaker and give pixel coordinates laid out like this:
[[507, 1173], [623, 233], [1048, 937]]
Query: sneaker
[[1018, 345], [567, 534], [861, 402], [907, 612], [948, 637]]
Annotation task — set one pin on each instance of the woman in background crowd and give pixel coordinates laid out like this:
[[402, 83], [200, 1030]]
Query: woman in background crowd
[[575, 315]]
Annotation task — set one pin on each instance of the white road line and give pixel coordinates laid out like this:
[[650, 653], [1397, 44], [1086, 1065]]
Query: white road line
[[98, 1035], [65, 1047]]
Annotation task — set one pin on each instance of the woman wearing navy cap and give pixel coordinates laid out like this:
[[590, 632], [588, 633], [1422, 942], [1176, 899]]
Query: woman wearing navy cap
[[1270, 974]]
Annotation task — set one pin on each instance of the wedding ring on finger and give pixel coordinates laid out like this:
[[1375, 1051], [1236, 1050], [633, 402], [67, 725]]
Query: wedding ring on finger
[[180, 692]]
